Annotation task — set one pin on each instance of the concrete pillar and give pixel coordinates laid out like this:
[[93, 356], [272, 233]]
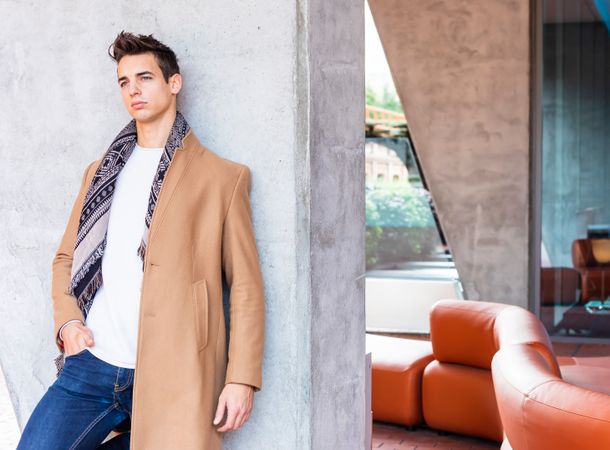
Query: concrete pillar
[[277, 85], [336, 222], [462, 72]]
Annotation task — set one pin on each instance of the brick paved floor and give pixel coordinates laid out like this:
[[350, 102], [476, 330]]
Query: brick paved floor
[[393, 437]]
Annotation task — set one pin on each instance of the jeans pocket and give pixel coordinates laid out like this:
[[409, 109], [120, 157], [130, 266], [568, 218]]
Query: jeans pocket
[[76, 354]]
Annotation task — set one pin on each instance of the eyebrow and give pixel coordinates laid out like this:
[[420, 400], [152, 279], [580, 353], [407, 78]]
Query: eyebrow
[[146, 72]]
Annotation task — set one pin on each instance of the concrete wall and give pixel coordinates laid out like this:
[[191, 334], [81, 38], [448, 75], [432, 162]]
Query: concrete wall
[[461, 68], [276, 85]]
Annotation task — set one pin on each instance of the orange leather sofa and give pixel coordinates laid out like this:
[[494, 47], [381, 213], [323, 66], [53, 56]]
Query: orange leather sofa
[[540, 411], [457, 387]]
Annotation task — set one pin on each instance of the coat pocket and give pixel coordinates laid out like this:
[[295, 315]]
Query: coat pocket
[[200, 311]]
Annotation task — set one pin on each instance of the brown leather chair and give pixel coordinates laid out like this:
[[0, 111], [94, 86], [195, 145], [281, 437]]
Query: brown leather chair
[[559, 286], [540, 411], [457, 387], [595, 276]]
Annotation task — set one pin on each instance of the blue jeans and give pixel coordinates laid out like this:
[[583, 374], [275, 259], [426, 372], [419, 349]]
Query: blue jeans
[[87, 400]]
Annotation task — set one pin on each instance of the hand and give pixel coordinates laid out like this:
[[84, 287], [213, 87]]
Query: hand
[[237, 398], [76, 337]]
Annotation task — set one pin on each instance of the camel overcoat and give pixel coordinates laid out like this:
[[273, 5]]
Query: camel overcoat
[[201, 229]]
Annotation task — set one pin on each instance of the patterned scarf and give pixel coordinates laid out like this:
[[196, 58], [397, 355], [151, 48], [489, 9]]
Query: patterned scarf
[[93, 224]]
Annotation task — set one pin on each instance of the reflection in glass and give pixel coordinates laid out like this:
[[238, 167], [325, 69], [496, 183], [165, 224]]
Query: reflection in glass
[[575, 215]]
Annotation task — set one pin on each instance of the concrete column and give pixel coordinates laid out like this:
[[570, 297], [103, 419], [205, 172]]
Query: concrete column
[[336, 222], [462, 71], [277, 85]]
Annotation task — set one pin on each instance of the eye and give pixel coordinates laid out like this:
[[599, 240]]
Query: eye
[[147, 77]]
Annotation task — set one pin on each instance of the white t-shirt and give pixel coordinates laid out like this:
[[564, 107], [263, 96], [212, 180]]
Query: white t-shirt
[[114, 314]]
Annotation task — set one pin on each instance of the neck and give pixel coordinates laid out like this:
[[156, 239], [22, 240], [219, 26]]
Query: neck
[[154, 134]]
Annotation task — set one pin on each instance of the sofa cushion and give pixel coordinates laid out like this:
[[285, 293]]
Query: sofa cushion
[[462, 332], [397, 367], [470, 332], [460, 399], [540, 411], [595, 361], [529, 331], [589, 377]]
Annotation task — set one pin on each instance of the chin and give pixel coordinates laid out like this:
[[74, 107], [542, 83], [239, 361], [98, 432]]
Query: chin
[[141, 115]]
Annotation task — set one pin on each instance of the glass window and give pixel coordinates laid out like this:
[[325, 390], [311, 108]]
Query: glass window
[[409, 266], [575, 162]]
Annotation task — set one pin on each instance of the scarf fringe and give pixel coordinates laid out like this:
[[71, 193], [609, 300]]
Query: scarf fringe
[[59, 363], [142, 251], [86, 298], [84, 269]]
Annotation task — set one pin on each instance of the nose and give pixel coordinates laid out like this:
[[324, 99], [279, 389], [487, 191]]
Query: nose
[[134, 88]]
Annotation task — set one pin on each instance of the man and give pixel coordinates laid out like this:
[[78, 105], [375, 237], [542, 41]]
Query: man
[[137, 283]]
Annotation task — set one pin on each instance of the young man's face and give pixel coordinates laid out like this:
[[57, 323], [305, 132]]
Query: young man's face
[[146, 94]]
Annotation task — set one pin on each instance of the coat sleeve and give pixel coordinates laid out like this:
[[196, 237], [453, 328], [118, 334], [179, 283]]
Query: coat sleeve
[[65, 307], [240, 263]]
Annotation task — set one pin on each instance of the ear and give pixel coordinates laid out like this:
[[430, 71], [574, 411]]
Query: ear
[[175, 83]]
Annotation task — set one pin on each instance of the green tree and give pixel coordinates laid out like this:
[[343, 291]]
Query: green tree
[[389, 99]]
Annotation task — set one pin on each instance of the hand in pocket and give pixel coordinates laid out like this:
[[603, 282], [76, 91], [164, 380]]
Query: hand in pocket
[[76, 337]]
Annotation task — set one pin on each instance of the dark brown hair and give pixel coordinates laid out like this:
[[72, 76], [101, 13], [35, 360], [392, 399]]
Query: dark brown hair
[[130, 44]]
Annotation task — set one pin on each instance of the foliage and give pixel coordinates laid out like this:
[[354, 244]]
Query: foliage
[[399, 223], [391, 204], [388, 99]]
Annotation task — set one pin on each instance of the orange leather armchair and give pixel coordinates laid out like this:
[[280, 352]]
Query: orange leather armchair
[[540, 411], [457, 387], [595, 276]]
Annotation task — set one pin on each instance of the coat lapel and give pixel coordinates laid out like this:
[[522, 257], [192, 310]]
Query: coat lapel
[[175, 173]]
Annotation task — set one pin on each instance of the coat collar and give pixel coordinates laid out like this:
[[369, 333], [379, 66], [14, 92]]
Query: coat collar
[[175, 174]]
